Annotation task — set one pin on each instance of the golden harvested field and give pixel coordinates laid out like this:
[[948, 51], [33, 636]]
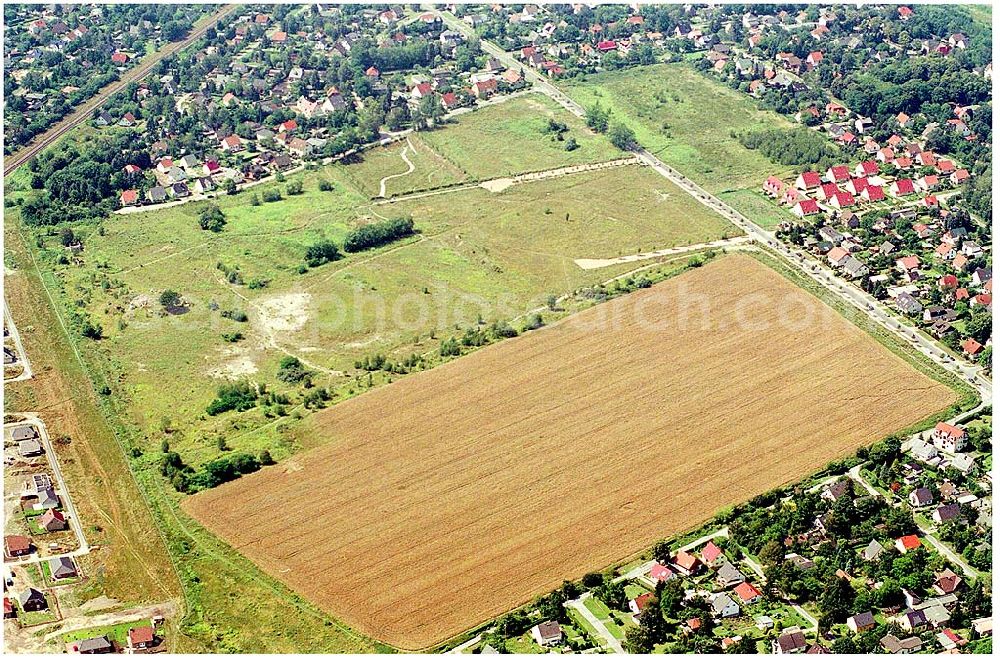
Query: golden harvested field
[[461, 492]]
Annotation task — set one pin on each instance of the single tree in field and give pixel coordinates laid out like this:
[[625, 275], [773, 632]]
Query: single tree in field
[[597, 118], [211, 218], [170, 298], [621, 136]]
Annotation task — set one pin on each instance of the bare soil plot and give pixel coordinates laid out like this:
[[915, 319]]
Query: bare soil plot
[[458, 493]]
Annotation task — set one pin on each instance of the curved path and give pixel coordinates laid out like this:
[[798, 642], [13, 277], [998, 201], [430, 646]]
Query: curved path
[[409, 163]]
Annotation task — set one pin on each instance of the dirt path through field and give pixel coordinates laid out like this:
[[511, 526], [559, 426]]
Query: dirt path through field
[[409, 164]]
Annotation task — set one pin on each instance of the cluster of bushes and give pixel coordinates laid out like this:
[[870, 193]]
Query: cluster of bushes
[[186, 479], [379, 362], [291, 370], [237, 396], [377, 233], [237, 315], [797, 146], [321, 253]]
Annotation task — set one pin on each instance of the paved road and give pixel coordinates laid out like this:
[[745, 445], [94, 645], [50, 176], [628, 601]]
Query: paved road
[[85, 109], [598, 625], [465, 645], [22, 355], [804, 262], [928, 532]]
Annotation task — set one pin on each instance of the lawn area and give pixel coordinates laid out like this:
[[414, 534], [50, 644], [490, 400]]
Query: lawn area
[[688, 121], [757, 207], [117, 633], [603, 612], [430, 169], [524, 644], [511, 138]]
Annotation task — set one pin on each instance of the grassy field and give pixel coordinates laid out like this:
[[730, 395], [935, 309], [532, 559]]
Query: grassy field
[[430, 170], [132, 563], [510, 138], [527, 474], [477, 253], [688, 121]]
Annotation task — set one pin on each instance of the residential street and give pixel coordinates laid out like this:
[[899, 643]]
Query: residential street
[[67, 500], [611, 640], [928, 532]]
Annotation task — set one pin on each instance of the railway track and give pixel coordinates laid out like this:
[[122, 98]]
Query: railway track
[[83, 112]]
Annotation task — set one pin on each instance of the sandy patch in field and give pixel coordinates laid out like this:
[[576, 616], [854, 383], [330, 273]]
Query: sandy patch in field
[[237, 364], [458, 493], [497, 185], [285, 313]]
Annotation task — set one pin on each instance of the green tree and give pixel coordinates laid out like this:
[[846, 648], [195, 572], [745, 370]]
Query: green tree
[[212, 218], [597, 118], [621, 136], [170, 298]]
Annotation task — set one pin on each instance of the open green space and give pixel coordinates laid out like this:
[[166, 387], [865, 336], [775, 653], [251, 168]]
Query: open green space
[[690, 122], [513, 137], [476, 255], [430, 169]]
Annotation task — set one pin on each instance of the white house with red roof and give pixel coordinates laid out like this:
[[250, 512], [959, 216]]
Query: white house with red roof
[[874, 194], [231, 143], [842, 200], [958, 177], [790, 196], [837, 257], [687, 563], [866, 168], [906, 264], [638, 604], [747, 593], [906, 543], [129, 197], [949, 438], [711, 553], [773, 186], [971, 347], [858, 186], [838, 173], [421, 90], [805, 207], [827, 191], [945, 166], [808, 181], [660, 573]]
